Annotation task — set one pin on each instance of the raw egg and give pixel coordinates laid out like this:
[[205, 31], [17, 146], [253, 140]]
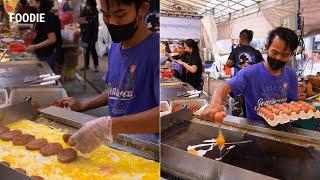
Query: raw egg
[[220, 141], [224, 113], [287, 111], [218, 117], [305, 108], [312, 108], [270, 117], [192, 151], [296, 110], [276, 111]]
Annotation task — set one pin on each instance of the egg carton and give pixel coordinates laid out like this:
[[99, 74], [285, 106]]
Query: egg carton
[[284, 118]]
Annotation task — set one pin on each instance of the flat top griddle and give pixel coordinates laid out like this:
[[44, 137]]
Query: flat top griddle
[[70, 120], [12, 74], [265, 156], [170, 92]]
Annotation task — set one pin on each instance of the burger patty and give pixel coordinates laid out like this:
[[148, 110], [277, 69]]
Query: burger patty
[[9, 135], [22, 140], [21, 170], [5, 163], [36, 177], [67, 155], [51, 149], [36, 144], [66, 137], [3, 129]]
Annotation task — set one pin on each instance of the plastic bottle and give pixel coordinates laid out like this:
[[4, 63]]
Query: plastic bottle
[[309, 91]]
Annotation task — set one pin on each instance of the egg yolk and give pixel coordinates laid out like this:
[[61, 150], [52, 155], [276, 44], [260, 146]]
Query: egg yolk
[[220, 141], [192, 151]]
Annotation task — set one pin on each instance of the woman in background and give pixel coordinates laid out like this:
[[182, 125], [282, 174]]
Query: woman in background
[[89, 31], [47, 40], [193, 65]]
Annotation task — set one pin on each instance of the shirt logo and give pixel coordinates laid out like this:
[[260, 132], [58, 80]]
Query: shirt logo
[[285, 86], [244, 60], [115, 93], [262, 103], [133, 68]]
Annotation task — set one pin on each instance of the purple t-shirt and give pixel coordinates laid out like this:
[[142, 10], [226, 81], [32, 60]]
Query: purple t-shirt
[[133, 77], [261, 88]]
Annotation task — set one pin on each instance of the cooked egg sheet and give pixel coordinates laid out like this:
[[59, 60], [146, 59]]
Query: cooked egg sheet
[[104, 163]]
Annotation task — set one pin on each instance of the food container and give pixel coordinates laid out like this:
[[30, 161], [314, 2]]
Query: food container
[[314, 80], [3, 97], [192, 104], [17, 47], [43, 96], [164, 108]]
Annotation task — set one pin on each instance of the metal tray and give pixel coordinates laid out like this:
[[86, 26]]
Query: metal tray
[[12, 74], [169, 92], [166, 107], [43, 96], [3, 97]]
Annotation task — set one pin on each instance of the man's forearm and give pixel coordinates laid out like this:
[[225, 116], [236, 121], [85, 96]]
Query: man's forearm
[[99, 101], [146, 122], [170, 58], [220, 94]]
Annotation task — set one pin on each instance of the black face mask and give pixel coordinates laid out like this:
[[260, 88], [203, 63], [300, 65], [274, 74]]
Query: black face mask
[[275, 64], [120, 33]]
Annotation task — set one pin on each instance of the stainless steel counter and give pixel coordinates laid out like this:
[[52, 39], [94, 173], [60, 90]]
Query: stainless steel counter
[[12, 74], [281, 152], [169, 91]]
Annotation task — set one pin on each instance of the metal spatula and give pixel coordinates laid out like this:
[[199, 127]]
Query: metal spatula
[[28, 79]]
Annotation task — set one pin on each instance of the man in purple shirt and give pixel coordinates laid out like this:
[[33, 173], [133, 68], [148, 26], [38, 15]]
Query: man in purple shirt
[[132, 78], [265, 83]]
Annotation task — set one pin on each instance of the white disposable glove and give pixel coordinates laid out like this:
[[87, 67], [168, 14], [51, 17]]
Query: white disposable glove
[[92, 135]]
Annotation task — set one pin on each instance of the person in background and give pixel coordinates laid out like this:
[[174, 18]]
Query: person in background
[[241, 57], [182, 55], [193, 65], [47, 34], [23, 7], [264, 83], [4, 16], [244, 55], [89, 31], [65, 13]]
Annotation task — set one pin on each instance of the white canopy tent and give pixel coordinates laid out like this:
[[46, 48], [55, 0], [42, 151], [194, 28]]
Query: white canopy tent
[[223, 20]]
